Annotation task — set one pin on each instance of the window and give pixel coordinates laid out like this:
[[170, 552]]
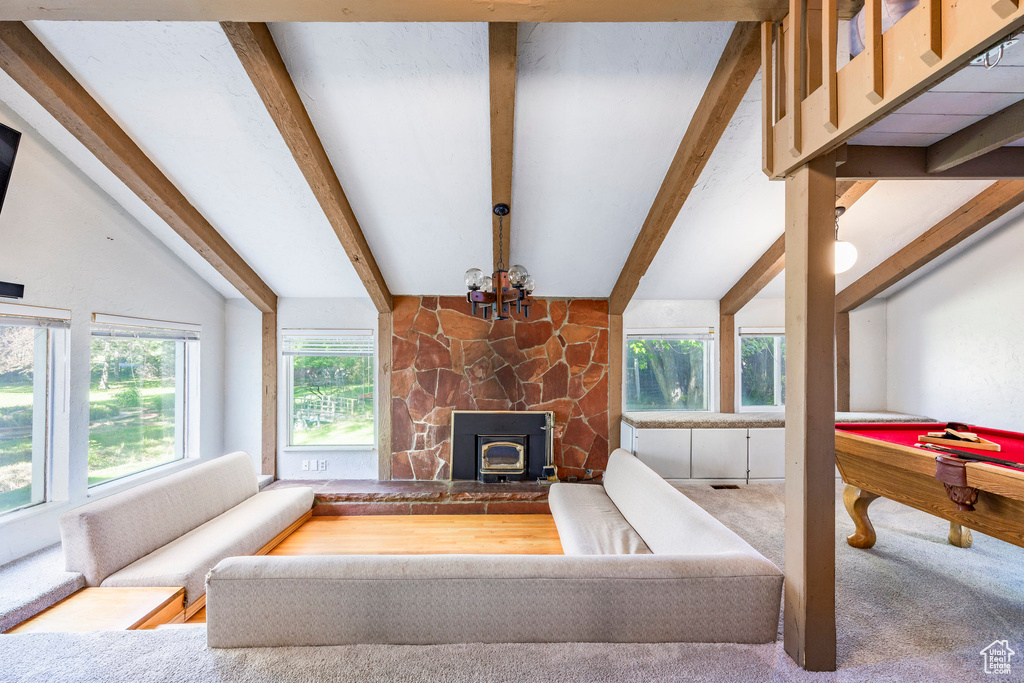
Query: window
[[668, 371], [762, 368], [143, 395], [331, 384], [33, 351]]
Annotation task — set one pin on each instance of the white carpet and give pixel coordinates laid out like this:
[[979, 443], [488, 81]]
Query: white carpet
[[912, 609]]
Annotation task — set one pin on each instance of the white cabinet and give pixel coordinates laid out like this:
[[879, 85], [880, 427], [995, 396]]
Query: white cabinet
[[666, 451], [627, 437], [767, 448], [719, 453]]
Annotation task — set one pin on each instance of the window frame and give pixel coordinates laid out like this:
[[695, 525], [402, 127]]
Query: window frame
[[779, 334], [704, 334], [186, 401], [286, 363], [51, 480]]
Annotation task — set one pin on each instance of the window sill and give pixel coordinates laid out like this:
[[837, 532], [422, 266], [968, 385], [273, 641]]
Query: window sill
[[33, 511]]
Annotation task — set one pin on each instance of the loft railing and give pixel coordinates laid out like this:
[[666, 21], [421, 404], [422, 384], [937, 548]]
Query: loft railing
[[811, 107]]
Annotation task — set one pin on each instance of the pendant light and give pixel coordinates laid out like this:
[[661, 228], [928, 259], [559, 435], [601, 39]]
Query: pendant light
[[846, 253]]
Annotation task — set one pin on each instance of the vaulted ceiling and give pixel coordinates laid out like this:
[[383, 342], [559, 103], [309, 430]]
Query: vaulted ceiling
[[403, 114]]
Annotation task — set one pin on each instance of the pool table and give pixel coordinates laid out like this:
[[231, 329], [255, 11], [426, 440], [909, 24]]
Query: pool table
[[881, 460]]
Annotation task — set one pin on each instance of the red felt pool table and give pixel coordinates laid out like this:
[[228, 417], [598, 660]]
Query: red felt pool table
[[882, 460]]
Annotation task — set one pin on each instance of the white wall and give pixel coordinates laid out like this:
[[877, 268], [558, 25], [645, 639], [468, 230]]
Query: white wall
[[244, 377], [867, 336], [73, 247], [955, 335]]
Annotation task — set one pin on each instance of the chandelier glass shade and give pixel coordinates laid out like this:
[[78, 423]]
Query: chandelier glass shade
[[498, 292]]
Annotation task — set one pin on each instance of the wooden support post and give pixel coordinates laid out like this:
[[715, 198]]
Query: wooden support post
[[767, 98], [503, 51], [615, 365], [269, 454], [796, 58], [727, 363], [809, 616], [385, 326], [843, 362], [829, 44]]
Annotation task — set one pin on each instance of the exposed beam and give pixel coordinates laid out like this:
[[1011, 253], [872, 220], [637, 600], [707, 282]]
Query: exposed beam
[[32, 66], [268, 456], [385, 326], [843, 362], [911, 163], [848, 195], [615, 365], [503, 49], [259, 55], [979, 138], [809, 617], [395, 10], [732, 78], [991, 204], [764, 270], [727, 363]]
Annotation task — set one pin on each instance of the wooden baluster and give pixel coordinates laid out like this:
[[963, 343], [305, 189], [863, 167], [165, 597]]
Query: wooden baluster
[[782, 33], [873, 47], [933, 52], [797, 80], [767, 104], [829, 45]]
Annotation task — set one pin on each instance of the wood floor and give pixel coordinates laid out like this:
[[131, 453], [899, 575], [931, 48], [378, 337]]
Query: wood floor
[[109, 609], [424, 535]]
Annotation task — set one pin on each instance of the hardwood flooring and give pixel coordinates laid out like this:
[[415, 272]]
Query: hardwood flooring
[[109, 609]]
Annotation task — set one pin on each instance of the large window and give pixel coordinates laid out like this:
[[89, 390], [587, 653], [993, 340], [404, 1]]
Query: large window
[[143, 394], [331, 383], [668, 371], [32, 355], [762, 368]]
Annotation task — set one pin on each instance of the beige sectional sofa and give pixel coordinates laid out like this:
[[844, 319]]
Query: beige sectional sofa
[[643, 564], [172, 531]]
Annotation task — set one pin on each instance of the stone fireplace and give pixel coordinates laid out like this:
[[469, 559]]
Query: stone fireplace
[[444, 359], [502, 446]]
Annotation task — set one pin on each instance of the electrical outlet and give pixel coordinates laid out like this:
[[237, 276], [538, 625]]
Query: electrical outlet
[[323, 465], [305, 465]]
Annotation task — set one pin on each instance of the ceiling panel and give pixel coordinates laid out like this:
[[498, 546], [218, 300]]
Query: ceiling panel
[[180, 92]]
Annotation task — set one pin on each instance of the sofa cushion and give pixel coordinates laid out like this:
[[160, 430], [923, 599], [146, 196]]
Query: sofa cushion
[[589, 523], [667, 521], [428, 599], [242, 530]]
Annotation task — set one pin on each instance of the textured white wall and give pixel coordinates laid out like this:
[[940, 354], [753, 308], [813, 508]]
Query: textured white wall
[[868, 357], [74, 248], [954, 335]]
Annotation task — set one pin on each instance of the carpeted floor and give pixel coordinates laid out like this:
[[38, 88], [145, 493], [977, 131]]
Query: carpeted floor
[[913, 608]]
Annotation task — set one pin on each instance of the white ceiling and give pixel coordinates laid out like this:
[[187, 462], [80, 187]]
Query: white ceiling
[[402, 110]]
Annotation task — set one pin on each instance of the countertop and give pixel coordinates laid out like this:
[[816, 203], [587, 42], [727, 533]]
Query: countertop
[[699, 420]]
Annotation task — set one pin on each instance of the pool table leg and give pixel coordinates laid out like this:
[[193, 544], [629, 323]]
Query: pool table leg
[[960, 536], [857, 501]]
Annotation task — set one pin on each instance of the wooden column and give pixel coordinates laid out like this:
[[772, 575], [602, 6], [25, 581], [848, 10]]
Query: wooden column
[[727, 363], [269, 454], [615, 363], [809, 610], [384, 333], [843, 362]]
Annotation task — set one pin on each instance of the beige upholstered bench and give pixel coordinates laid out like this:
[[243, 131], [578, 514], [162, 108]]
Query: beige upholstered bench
[[172, 531], [657, 568]]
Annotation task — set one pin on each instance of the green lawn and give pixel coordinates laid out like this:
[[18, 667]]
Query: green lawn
[[357, 431], [125, 438]]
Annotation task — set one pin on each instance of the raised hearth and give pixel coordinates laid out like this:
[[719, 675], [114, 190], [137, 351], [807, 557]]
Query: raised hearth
[[368, 497]]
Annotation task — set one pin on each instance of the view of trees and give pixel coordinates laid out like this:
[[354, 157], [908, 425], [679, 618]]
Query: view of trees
[[131, 406], [763, 363], [332, 400], [666, 374], [17, 359]]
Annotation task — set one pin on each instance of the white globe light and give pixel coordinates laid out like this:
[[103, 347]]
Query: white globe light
[[487, 284], [517, 275], [846, 256], [473, 278]]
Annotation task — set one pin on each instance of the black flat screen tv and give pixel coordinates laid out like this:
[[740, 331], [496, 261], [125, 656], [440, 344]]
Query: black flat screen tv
[[9, 139]]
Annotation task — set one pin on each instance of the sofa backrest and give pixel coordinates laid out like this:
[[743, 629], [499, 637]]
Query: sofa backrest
[[669, 522], [101, 537]]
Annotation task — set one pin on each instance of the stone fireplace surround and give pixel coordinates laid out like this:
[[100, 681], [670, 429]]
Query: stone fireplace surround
[[444, 359]]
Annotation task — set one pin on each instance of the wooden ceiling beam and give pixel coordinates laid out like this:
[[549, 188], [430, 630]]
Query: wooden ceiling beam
[[911, 163], [396, 10], [503, 50], [36, 70], [773, 261], [262, 61], [977, 139], [736, 69], [980, 211]]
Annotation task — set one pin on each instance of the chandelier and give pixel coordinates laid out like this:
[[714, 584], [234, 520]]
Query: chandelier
[[499, 291]]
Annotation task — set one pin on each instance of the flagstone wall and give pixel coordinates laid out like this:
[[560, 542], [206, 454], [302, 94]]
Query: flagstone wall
[[445, 359]]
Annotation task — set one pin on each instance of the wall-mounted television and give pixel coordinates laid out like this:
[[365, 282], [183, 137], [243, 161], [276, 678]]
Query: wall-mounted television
[[9, 139]]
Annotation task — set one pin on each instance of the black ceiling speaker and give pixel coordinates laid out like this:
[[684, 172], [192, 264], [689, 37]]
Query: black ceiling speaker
[[9, 139], [9, 290]]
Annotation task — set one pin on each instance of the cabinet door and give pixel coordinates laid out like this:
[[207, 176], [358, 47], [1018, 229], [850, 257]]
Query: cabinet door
[[719, 453], [626, 437], [767, 453], [666, 451]]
